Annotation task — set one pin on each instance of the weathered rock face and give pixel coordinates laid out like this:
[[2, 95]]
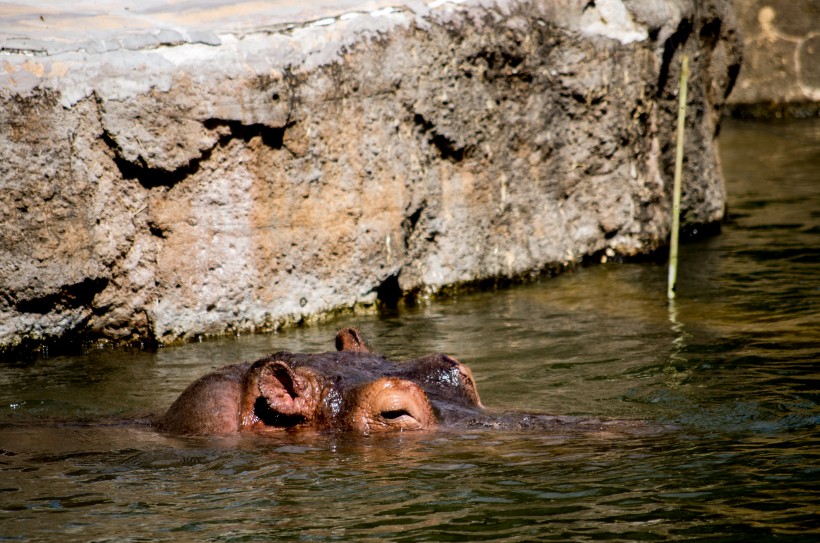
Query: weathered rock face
[[781, 60], [174, 190]]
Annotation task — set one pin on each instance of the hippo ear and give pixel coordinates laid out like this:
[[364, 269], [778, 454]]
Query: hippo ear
[[284, 390], [350, 339]]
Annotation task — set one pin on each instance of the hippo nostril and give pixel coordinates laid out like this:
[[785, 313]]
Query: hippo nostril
[[270, 417], [394, 414], [283, 375], [391, 404]]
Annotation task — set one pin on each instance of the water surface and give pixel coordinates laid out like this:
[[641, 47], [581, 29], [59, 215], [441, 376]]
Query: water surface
[[732, 365]]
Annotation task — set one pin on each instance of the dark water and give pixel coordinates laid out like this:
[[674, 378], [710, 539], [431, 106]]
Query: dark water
[[734, 365]]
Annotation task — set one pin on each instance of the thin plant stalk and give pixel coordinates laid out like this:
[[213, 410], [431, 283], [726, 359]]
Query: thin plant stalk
[[673, 249]]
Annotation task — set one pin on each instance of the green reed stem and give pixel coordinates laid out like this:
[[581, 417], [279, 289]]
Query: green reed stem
[[673, 249]]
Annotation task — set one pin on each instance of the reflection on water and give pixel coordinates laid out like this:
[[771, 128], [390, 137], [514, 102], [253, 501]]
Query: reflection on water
[[732, 365]]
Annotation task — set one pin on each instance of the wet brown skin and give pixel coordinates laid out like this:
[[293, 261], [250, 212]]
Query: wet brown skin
[[352, 389]]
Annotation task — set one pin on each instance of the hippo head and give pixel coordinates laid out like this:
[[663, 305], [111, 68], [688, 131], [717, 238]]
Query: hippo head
[[351, 389]]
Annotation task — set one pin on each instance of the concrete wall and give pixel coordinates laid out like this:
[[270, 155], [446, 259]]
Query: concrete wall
[[174, 171], [780, 74]]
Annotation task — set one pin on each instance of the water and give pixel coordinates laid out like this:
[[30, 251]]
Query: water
[[732, 367]]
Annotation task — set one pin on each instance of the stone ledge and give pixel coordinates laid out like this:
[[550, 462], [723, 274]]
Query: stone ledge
[[780, 75], [315, 159]]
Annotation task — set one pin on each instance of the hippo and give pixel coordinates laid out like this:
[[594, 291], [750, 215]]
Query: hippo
[[352, 389]]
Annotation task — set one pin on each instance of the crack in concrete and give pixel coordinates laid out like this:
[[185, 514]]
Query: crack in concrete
[[67, 297], [447, 148], [152, 177]]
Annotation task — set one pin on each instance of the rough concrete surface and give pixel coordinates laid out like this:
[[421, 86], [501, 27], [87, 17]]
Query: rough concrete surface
[[203, 166], [781, 53]]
